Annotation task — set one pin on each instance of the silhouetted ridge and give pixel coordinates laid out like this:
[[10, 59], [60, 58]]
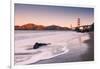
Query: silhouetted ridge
[[31, 26]]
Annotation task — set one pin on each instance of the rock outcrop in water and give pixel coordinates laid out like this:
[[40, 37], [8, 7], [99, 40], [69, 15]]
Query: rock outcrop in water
[[37, 45]]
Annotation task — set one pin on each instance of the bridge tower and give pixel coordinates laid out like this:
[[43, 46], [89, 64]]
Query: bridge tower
[[71, 26], [78, 22]]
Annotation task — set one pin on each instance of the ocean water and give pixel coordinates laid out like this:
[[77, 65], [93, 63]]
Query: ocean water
[[59, 42]]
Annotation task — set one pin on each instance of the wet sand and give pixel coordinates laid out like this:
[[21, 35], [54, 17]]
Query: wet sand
[[89, 55], [75, 54]]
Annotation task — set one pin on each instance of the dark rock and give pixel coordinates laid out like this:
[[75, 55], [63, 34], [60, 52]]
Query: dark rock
[[37, 45]]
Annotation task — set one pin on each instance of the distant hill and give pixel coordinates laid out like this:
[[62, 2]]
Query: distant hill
[[54, 27], [31, 26]]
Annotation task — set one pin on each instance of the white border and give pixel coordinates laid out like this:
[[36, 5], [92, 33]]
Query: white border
[[51, 2], [12, 34], [57, 3]]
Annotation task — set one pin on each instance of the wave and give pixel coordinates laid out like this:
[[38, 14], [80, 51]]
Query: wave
[[40, 54], [24, 54]]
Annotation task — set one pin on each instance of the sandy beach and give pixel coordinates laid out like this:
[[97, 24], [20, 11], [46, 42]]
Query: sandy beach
[[75, 54]]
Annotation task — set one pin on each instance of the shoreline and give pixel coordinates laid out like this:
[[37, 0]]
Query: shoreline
[[74, 54]]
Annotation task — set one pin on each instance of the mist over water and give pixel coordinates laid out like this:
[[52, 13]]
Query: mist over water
[[60, 40]]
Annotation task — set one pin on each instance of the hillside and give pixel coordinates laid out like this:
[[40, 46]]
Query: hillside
[[31, 26]]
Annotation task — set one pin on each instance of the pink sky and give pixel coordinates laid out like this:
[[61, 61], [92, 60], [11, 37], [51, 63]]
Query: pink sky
[[52, 15]]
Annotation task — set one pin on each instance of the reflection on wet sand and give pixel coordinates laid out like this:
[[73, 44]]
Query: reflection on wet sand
[[89, 55]]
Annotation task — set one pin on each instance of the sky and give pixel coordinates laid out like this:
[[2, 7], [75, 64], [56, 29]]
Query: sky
[[64, 16]]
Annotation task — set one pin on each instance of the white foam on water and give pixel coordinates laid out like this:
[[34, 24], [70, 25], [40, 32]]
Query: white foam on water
[[45, 53], [57, 47]]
